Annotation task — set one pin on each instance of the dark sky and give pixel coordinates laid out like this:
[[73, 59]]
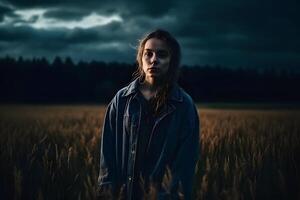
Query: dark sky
[[228, 32]]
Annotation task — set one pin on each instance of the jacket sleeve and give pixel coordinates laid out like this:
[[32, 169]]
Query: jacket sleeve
[[106, 179], [183, 167]]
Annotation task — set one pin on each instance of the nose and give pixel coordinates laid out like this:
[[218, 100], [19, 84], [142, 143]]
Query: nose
[[154, 59]]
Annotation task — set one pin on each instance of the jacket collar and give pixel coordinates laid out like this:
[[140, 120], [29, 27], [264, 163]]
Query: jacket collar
[[132, 88]]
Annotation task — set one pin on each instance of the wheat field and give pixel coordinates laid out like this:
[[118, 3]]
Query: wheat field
[[52, 152]]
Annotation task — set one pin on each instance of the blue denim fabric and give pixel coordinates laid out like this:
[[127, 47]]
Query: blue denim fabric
[[173, 143]]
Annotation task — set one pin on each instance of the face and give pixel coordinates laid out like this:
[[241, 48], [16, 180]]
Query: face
[[155, 59]]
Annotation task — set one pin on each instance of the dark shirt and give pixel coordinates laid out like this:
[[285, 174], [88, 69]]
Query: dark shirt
[[140, 184]]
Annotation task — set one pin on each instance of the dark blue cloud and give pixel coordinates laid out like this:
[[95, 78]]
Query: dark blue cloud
[[211, 32]]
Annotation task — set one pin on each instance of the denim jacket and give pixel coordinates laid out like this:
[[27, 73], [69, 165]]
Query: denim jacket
[[173, 143]]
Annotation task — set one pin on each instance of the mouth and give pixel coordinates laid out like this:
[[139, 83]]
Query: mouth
[[153, 69]]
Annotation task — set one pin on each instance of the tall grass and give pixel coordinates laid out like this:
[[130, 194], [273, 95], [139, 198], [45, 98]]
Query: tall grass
[[52, 152]]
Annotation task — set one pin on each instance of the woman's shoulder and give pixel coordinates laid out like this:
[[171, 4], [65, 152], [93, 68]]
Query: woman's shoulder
[[186, 97], [126, 91], [182, 96], [186, 108]]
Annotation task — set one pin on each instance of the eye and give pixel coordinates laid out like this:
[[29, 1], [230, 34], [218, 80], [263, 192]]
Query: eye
[[163, 54], [148, 54]]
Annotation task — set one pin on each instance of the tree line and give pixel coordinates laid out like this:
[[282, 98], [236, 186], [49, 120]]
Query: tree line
[[37, 80]]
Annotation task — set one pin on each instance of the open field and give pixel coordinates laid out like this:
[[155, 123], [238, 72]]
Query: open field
[[52, 152]]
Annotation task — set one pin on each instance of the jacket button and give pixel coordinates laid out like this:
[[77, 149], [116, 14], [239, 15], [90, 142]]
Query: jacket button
[[133, 151], [129, 178]]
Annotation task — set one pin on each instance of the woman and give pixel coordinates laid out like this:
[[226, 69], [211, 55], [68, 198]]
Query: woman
[[150, 126]]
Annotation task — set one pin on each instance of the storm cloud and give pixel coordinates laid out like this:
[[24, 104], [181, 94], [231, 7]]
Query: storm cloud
[[231, 33]]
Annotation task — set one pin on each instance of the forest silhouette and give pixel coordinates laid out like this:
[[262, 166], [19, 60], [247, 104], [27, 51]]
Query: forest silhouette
[[37, 80]]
